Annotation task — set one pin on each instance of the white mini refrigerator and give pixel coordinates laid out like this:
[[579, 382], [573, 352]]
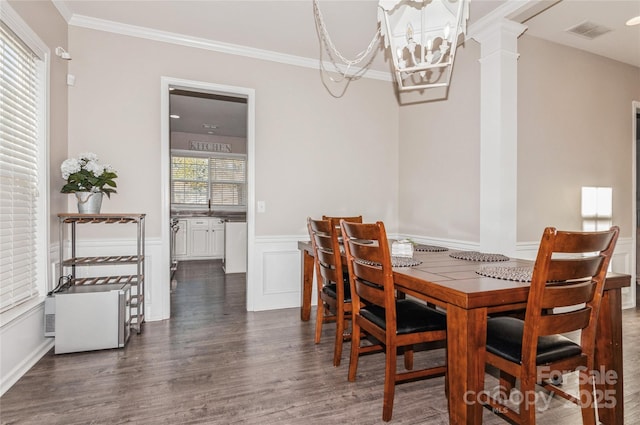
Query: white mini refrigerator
[[92, 317]]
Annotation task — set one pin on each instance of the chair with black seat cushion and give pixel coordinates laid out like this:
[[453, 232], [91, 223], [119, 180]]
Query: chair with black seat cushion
[[392, 323], [565, 296], [334, 297]]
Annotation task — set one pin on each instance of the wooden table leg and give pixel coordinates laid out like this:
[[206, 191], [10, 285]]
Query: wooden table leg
[[466, 342], [608, 359], [307, 284]]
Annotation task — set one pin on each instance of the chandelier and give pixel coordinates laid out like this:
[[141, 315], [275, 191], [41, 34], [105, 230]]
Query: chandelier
[[422, 36]]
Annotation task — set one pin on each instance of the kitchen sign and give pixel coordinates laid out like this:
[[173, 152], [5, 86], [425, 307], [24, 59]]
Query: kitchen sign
[[209, 146]]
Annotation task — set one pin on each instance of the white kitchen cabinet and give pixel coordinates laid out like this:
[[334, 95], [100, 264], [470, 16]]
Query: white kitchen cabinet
[[217, 228], [181, 250], [199, 237], [205, 238]]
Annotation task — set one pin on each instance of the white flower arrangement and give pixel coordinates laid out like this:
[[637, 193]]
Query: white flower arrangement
[[86, 174]]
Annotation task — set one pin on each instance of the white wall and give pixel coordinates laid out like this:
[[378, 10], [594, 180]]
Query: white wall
[[439, 188], [575, 126], [114, 111], [314, 154], [574, 130]]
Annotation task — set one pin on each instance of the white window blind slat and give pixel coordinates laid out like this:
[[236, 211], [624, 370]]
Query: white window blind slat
[[196, 180], [18, 170]]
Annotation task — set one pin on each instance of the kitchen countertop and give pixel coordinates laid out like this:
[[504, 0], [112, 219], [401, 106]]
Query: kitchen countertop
[[225, 215]]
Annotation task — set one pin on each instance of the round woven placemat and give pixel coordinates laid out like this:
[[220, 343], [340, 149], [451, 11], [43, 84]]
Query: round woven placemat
[[478, 256], [404, 262], [518, 274], [430, 248], [396, 262]]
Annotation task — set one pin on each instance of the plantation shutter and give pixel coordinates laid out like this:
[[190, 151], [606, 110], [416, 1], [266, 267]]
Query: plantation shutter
[[18, 170]]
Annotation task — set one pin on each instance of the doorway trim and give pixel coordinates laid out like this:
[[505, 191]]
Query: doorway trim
[[165, 147], [635, 110]]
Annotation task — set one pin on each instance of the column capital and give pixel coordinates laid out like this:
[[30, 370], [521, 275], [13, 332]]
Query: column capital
[[498, 35]]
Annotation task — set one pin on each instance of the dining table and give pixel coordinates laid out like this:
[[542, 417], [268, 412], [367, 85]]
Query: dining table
[[453, 282]]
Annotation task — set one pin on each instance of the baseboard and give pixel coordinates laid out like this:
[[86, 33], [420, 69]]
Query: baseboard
[[13, 376]]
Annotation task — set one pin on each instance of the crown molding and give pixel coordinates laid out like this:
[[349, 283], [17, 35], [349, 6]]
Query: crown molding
[[206, 44], [63, 9], [498, 15], [518, 11]]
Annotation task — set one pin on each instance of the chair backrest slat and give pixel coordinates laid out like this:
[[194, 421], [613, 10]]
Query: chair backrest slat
[[370, 293], [565, 295], [560, 323], [368, 252], [335, 220], [581, 242], [573, 268], [327, 268], [368, 273]]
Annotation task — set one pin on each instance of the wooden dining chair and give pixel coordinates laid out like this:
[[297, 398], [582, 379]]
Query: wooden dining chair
[[334, 296], [393, 323], [566, 292]]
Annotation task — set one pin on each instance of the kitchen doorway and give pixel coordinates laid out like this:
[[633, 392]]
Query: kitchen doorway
[[209, 150]]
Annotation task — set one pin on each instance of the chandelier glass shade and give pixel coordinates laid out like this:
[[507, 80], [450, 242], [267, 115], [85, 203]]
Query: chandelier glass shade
[[422, 36]]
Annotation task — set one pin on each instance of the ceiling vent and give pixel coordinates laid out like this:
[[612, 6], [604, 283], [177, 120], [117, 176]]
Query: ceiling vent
[[588, 30]]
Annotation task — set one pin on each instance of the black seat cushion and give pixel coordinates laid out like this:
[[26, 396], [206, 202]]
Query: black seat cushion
[[330, 289], [410, 316], [504, 339]]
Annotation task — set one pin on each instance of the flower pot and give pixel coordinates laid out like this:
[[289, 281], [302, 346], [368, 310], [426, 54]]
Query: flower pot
[[89, 202]]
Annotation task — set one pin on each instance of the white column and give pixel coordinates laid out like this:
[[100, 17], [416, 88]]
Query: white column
[[498, 135]]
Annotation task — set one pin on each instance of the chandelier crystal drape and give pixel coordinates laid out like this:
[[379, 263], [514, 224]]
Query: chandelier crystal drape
[[422, 36]]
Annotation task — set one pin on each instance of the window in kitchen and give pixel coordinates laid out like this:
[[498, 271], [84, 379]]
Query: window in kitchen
[[198, 179]]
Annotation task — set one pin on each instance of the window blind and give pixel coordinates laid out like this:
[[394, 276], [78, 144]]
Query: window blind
[[189, 180], [18, 170], [195, 180], [228, 180]]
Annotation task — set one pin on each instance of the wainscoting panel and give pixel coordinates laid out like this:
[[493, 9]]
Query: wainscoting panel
[[278, 277], [276, 274], [276, 281], [623, 261]]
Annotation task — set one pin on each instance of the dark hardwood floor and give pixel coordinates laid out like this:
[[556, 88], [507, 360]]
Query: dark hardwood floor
[[215, 363]]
